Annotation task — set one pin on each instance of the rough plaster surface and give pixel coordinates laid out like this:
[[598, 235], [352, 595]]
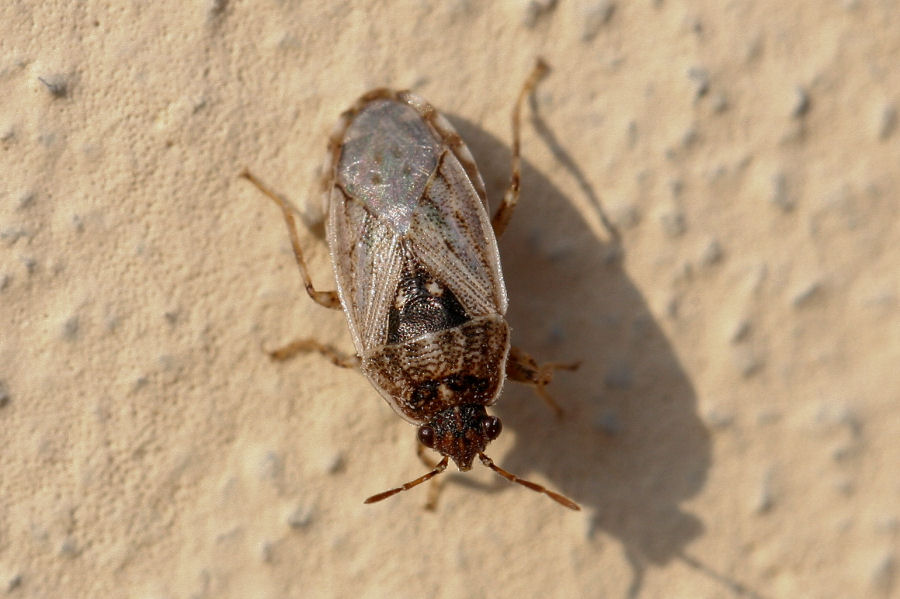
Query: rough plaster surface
[[733, 430]]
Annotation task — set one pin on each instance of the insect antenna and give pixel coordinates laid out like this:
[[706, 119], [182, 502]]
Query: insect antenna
[[442, 465], [560, 499]]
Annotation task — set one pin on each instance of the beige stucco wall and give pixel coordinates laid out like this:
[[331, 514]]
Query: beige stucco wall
[[733, 428]]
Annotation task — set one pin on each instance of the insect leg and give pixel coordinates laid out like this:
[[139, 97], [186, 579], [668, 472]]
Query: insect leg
[[329, 299], [522, 368], [434, 489], [311, 345], [511, 197]]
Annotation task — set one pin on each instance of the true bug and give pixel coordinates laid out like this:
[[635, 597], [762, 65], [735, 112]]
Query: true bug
[[418, 274]]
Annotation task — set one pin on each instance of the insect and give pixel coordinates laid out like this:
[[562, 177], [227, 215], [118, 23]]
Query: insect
[[418, 275]]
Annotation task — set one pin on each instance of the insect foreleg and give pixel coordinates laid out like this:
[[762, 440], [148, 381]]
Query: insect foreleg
[[311, 345], [522, 368]]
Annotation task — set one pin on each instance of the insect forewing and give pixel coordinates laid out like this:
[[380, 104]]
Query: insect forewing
[[399, 194]]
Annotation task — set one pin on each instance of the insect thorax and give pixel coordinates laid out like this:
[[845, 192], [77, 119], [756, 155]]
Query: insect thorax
[[428, 374]]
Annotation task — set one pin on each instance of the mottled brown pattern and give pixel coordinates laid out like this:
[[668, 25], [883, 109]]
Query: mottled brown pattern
[[422, 304], [418, 274], [462, 365], [460, 432]]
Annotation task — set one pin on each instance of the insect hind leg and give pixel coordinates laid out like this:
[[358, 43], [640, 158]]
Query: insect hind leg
[[329, 299], [511, 197]]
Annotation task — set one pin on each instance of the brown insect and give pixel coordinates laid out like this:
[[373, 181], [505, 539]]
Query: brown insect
[[418, 275]]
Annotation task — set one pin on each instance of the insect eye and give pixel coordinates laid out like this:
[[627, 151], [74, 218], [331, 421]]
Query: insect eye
[[491, 427], [426, 435]]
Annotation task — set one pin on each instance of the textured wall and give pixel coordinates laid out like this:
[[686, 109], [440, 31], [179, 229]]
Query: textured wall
[[733, 428]]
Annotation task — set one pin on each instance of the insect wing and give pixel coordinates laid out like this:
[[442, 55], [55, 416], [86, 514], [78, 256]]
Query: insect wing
[[367, 258], [400, 194], [452, 237]]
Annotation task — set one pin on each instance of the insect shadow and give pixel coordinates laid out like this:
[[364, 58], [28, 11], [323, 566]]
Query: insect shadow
[[630, 445]]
